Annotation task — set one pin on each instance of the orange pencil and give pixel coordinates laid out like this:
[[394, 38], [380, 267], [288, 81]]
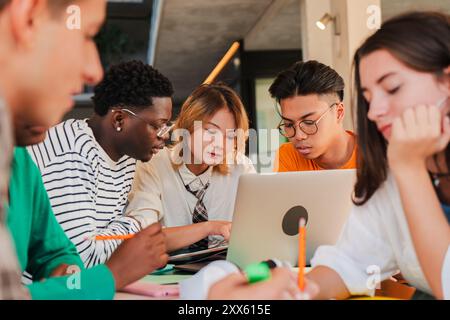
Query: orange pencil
[[118, 237], [301, 253]]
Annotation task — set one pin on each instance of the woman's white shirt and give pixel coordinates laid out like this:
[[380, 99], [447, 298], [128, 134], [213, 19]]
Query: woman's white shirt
[[159, 192], [375, 244]]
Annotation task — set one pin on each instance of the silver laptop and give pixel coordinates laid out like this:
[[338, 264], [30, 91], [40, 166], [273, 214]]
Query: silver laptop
[[269, 206]]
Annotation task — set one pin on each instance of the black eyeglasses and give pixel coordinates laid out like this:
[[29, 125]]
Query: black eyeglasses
[[160, 131], [309, 127]]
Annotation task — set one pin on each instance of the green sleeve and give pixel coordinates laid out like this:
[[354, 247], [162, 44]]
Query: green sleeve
[[49, 246], [96, 283]]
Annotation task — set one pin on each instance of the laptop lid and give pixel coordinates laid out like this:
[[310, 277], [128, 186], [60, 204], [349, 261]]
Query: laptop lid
[[269, 206]]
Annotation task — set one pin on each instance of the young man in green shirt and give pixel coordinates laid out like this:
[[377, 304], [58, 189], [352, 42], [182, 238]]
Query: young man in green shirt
[[45, 59], [41, 245]]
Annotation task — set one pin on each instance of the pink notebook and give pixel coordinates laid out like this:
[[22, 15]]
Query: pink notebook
[[152, 290]]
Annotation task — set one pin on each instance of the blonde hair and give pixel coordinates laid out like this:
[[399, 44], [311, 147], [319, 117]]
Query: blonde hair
[[203, 103]]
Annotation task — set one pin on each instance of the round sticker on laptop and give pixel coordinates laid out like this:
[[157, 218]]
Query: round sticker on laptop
[[291, 220]]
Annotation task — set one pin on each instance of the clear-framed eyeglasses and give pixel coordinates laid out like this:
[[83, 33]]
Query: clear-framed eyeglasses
[[309, 127], [161, 131]]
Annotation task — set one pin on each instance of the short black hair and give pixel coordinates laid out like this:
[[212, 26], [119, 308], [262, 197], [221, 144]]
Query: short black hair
[[303, 78], [130, 84]]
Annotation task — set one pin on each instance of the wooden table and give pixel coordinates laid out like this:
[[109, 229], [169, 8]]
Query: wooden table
[[389, 289]]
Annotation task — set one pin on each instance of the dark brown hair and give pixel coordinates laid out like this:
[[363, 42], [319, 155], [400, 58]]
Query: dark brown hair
[[3, 3], [55, 6], [420, 40]]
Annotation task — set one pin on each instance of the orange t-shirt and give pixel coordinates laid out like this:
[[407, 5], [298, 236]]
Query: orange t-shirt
[[288, 159]]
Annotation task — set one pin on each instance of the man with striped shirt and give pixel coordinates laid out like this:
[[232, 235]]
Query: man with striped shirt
[[88, 165]]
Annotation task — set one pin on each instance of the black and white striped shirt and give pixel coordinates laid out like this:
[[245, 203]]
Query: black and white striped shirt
[[88, 191]]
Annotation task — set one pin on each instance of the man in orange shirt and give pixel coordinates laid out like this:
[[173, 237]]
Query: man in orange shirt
[[311, 98]]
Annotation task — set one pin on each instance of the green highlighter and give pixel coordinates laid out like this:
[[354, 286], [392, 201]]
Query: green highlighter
[[257, 272], [164, 270]]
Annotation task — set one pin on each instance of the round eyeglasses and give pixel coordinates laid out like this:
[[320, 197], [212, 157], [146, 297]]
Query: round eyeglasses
[[309, 127]]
